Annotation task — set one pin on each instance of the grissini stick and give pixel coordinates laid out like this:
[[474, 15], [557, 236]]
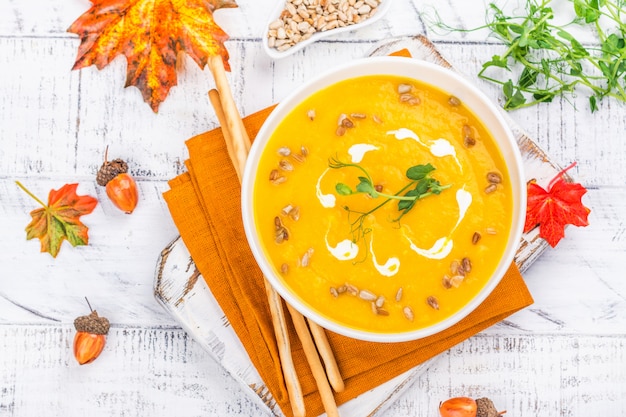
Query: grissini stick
[[292, 382], [240, 146]]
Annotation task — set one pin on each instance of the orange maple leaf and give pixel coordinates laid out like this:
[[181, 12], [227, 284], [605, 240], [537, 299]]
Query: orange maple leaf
[[59, 219], [150, 34], [556, 207]]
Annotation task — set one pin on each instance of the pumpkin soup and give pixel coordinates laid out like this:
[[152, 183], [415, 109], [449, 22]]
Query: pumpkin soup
[[383, 203]]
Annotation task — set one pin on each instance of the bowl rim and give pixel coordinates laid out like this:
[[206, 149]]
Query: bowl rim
[[455, 84]]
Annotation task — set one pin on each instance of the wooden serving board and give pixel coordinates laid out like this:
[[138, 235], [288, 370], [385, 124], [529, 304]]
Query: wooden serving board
[[182, 291]]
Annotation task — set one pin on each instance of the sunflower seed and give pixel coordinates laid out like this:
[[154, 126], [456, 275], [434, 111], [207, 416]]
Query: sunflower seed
[[298, 157], [284, 268], [409, 99], [491, 231], [333, 292], [306, 258], [381, 312], [294, 214], [380, 301], [284, 151], [285, 165], [341, 130], [399, 295], [432, 301], [358, 115], [466, 263], [351, 289], [456, 280], [476, 238], [404, 88], [494, 177], [287, 209], [468, 136], [456, 268], [491, 188], [367, 295], [408, 313], [454, 101]]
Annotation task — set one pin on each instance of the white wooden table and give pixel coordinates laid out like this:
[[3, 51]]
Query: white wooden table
[[563, 356]]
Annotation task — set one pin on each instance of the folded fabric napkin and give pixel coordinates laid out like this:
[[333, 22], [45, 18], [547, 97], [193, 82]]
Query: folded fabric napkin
[[205, 206]]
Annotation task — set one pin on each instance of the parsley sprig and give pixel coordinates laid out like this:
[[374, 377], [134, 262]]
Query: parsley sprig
[[421, 185], [544, 60]]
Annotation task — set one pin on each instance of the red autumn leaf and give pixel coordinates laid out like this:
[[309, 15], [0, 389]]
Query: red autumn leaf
[[555, 208], [59, 219], [151, 34]]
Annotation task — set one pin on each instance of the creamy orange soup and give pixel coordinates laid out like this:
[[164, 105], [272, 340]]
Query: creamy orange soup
[[348, 256]]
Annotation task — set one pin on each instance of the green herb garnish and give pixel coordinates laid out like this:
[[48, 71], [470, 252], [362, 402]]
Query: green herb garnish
[[421, 185], [543, 60]]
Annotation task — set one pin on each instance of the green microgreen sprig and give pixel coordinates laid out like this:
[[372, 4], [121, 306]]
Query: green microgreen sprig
[[421, 185], [544, 60]]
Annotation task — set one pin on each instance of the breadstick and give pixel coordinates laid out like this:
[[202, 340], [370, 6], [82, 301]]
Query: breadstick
[[326, 393], [292, 383], [326, 353]]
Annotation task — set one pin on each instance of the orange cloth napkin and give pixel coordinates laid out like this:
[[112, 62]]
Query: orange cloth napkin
[[205, 205]]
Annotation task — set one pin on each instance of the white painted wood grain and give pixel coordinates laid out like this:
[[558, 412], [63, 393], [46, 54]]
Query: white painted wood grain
[[562, 356], [163, 372]]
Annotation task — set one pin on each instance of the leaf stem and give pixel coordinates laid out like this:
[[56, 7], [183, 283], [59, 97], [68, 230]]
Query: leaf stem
[[33, 196]]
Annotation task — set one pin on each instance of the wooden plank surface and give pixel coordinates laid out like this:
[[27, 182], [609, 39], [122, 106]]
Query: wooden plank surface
[[564, 355]]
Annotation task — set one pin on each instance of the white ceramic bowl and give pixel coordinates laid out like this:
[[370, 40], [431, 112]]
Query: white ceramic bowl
[[441, 78], [274, 53]]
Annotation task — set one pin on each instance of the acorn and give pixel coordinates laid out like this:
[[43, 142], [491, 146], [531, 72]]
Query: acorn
[[90, 336], [468, 407], [120, 185]]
